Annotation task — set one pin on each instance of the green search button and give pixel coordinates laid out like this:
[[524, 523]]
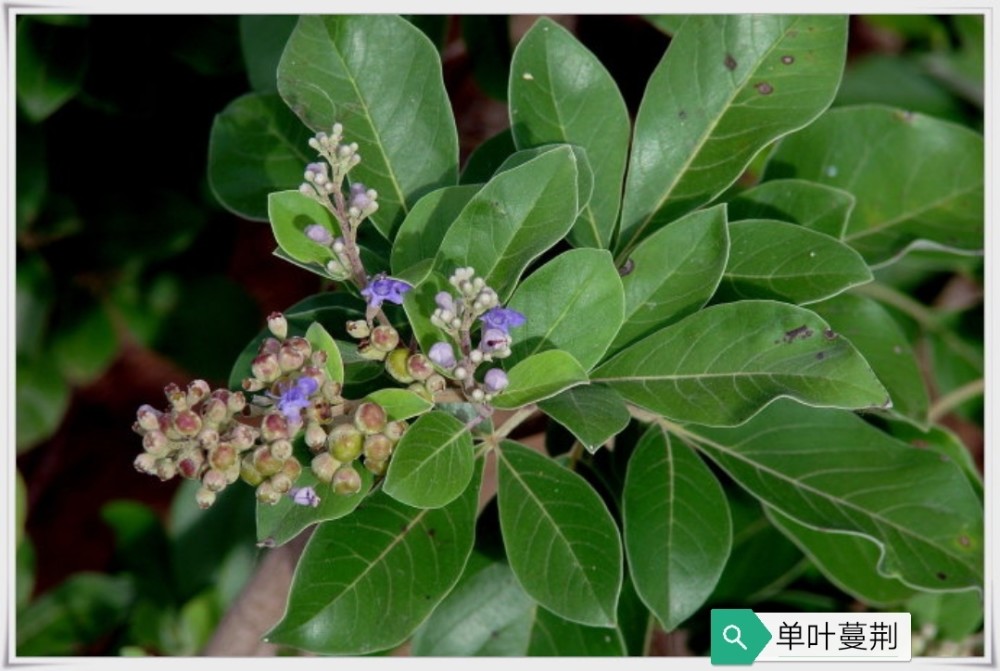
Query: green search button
[[738, 636]]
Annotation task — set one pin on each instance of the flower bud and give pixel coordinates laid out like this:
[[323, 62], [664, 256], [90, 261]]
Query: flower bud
[[264, 462], [384, 338], [292, 468], [395, 365], [214, 411], [208, 438], [190, 463], [377, 447], [197, 390], [274, 426], [145, 463], [495, 380], [331, 391], [369, 418], [222, 457], [242, 437], [281, 483], [187, 423], [346, 481], [266, 493], [205, 497], [148, 417], [478, 395], [445, 301], [494, 340], [252, 384], [165, 469], [248, 473], [394, 431], [214, 480], [345, 443], [290, 358], [435, 384], [176, 397], [236, 402], [156, 444], [370, 352], [419, 367], [265, 367], [315, 437], [376, 467], [320, 234], [324, 466], [358, 329], [281, 449], [269, 346]]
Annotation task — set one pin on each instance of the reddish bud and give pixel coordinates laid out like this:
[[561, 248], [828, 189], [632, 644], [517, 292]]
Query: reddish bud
[[156, 444], [419, 367], [265, 367], [292, 468], [222, 457], [376, 467], [190, 463], [377, 447], [197, 390], [187, 423], [242, 437], [278, 325], [289, 358], [370, 418], [384, 338], [214, 480], [264, 462], [300, 345], [269, 346], [274, 427], [346, 481], [214, 411], [176, 397], [148, 417]]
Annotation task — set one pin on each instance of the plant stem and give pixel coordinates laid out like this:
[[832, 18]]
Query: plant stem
[[920, 313], [514, 421], [955, 398]]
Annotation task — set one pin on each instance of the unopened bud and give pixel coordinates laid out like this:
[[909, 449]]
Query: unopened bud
[[176, 397], [242, 437], [187, 423], [165, 468], [265, 367], [252, 384], [208, 438], [324, 466], [156, 444], [396, 365], [478, 395], [419, 367], [281, 449], [266, 493], [376, 467], [148, 417], [215, 411], [145, 463], [269, 346], [370, 352], [277, 324], [435, 384], [197, 390], [315, 437], [358, 329], [222, 457], [394, 431], [495, 380], [190, 463], [377, 447], [292, 468], [204, 497], [214, 479], [346, 481], [281, 483], [384, 338], [274, 426], [265, 463], [248, 473], [236, 402], [290, 358], [331, 391], [370, 418], [345, 443]]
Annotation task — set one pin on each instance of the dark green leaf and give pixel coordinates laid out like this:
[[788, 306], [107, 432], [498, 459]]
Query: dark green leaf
[[787, 262], [945, 443], [954, 615], [721, 365], [915, 178], [816, 206], [35, 294], [400, 561], [487, 40], [539, 377], [323, 341], [573, 303], [257, 146], [20, 507], [432, 464], [584, 172], [141, 549], [290, 213], [262, 38], [898, 81], [592, 413], [42, 397], [519, 214], [51, 62], [668, 23], [727, 87], [847, 560], [280, 523], [392, 102], [434, 26], [83, 341], [400, 403], [487, 157], [676, 525], [880, 340], [560, 92], [831, 470], [561, 540], [553, 636], [426, 224], [24, 578], [673, 272]]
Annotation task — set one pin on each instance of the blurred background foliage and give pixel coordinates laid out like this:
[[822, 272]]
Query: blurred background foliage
[[131, 274]]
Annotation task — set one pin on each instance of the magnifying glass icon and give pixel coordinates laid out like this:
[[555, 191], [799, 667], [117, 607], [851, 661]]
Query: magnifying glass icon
[[734, 637]]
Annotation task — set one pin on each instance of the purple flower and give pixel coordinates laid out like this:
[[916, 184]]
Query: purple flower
[[494, 340], [495, 380], [445, 301], [442, 354], [319, 234], [304, 496], [295, 398], [502, 319], [384, 288]]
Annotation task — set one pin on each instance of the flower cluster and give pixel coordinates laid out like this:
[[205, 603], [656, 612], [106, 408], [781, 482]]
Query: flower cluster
[[366, 433], [457, 315]]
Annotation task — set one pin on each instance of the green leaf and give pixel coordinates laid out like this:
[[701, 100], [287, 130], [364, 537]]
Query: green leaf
[[721, 365], [290, 213], [392, 102], [432, 464], [41, 399], [418, 303], [882, 342], [818, 207], [787, 262], [323, 341], [262, 39], [400, 404], [426, 224], [574, 303], [954, 615], [280, 523], [487, 157], [83, 341], [676, 526], [592, 413], [256, 146], [560, 92], [834, 471], [667, 23], [24, 577], [404, 561], [20, 506], [519, 214], [847, 560], [727, 87], [487, 42], [915, 178], [673, 273], [553, 636], [584, 173], [75, 614], [762, 560], [51, 62], [539, 377], [561, 541], [487, 614], [945, 443]]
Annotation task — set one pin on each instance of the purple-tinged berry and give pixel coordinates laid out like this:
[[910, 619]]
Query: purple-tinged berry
[[190, 464], [495, 380]]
